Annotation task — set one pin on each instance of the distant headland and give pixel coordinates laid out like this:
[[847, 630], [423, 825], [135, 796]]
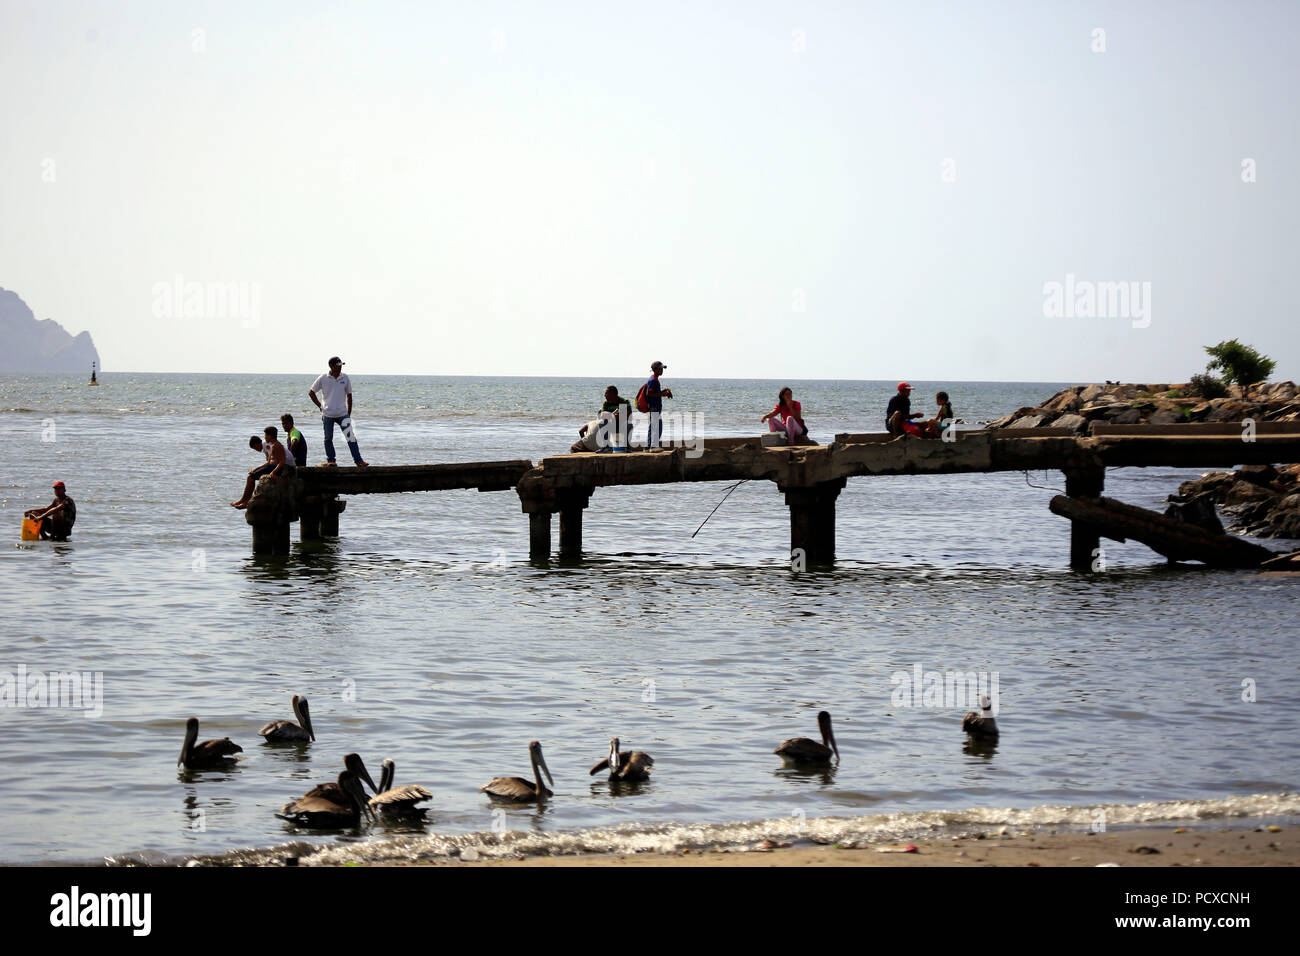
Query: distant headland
[[31, 345]]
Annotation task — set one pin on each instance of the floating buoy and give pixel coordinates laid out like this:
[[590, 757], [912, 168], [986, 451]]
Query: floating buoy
[[92, 374]]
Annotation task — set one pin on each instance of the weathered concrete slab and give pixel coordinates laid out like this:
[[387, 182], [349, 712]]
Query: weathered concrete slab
[[386, 479]]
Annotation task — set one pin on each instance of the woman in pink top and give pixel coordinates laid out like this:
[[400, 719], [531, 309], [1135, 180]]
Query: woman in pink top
[[786, 417]]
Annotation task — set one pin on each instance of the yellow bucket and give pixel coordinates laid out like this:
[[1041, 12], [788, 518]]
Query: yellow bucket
[[31, 529]]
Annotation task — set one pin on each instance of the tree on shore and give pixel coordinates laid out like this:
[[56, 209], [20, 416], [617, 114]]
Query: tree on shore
[[1239, 363]]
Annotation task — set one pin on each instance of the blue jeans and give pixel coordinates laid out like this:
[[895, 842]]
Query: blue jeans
[[345, 423], [655, 430]]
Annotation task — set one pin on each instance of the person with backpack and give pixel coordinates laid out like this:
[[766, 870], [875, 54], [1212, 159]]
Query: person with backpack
[[649, 399]]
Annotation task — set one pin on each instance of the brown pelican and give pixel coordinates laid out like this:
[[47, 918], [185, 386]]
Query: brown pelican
[[519, 789], [319, 808], [398, 801], [981, 725], [803, 750], [355, 766], [207, 755], [633, 766], [286, 731]]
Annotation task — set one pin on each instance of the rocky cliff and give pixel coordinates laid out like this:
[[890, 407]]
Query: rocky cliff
[[29, 345]]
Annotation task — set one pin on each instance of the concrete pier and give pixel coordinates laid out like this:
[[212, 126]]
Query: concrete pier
[[810, 477]]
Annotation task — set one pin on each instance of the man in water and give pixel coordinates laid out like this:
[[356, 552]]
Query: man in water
[[899, 414], [294, 442], [336, 410], [276, 463], [56, 520], [654, 396]]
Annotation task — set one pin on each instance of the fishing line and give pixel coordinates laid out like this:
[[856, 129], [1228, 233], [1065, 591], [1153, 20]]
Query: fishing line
[[719, 505], [1059, 491]]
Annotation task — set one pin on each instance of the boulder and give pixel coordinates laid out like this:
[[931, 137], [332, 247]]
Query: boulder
[[1089, 394], [1198, 510], [1074, 422], [1166, 416], [1125, 416]]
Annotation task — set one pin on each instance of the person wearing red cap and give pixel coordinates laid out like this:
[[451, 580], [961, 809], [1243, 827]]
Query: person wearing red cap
[[899, 414], [56, 520]]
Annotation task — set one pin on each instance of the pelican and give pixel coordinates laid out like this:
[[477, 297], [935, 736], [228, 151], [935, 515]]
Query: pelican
[[633, 766], [286, 731], [207, 755], [981, 725], [354, 765], [398, 801], [341, 808], [803, 750], [517, 788]]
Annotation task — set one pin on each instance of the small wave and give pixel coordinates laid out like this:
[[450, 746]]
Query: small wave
[[674, 837]]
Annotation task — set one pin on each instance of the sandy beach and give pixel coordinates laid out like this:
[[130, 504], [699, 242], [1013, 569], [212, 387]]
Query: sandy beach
[[1264, 846]]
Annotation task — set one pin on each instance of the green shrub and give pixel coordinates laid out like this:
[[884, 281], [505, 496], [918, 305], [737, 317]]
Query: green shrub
[[1207, 386], [1239, 363]]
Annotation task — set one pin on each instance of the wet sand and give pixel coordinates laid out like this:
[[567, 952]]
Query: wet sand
[[1146, 847]]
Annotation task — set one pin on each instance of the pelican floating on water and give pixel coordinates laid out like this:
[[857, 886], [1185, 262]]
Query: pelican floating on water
[[207, 755], [286, 731], [519, 789], [355, 766], [400, 801], [633, 766], [803, 750], [981, 725], [321, 807]]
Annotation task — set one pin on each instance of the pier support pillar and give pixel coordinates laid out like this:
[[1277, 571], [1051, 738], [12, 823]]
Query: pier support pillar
[[572, 502], [309, 515], [271, 538], [331, 508], [812, 521], [1085, 539], [539, 535]]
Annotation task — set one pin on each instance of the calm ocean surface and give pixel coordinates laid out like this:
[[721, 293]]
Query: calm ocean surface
[[424, 634]]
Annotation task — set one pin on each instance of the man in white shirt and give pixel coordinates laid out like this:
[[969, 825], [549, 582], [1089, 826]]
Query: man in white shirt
[[336, 388]]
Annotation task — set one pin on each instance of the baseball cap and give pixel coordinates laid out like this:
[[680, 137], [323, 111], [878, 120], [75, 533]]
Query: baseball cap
[[659, 365], [59, 484], [336, 361], [903, 385]]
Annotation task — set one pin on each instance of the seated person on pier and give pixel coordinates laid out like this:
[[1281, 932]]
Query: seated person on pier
[[616, 411], [944, 419], [787, 418], [899, 414], [276, 463], [57, 520]]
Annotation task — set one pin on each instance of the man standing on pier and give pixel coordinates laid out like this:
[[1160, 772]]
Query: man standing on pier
[[654, 396], [336, 410]]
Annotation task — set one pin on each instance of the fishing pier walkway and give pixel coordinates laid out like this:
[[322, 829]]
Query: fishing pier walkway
[[810, 477]]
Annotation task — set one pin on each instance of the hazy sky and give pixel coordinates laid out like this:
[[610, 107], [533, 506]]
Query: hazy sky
[[802, 190]]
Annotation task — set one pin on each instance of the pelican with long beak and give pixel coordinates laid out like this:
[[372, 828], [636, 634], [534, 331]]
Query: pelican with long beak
[[208, 755], [801, 750], [517, 788], [398, 801], [286, 731], [354, 765], [633, 766], [982, 725], [341, 807]]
